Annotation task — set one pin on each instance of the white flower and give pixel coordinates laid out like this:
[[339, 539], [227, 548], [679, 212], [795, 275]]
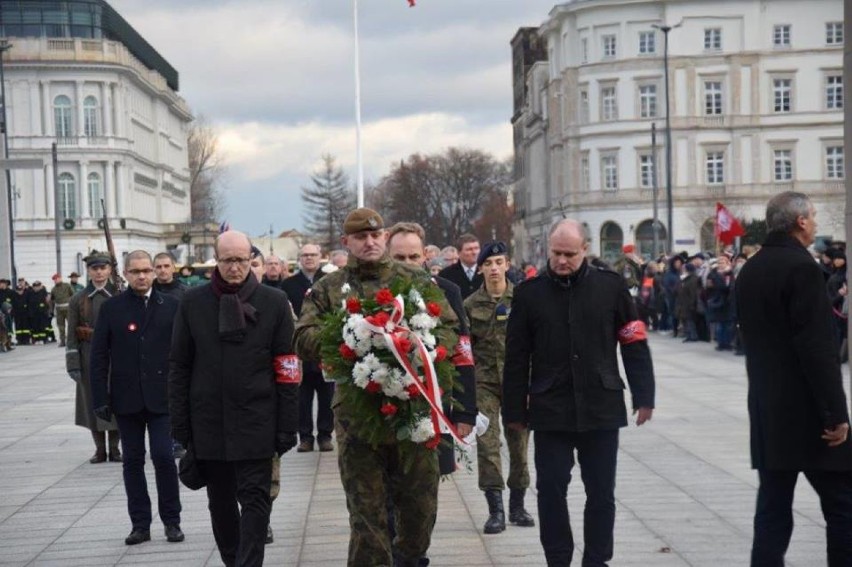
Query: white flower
[[345, 288], [361, 374], [381, 374], [423, 430], [417, 299], [402, 377], [372, 362], [423, 321]]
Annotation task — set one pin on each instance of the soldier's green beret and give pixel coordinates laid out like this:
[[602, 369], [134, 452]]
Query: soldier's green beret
[[362, 219]]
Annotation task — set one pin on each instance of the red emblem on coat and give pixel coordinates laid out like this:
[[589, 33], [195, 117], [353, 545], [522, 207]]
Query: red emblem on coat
[[288, 369], [132, 327]]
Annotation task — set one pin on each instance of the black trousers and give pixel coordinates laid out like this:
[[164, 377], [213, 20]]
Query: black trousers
[[239, 504], [313, 382], [773, 519], [554, 459]]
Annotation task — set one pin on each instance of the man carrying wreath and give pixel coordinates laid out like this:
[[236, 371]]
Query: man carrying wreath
[[373, 456]]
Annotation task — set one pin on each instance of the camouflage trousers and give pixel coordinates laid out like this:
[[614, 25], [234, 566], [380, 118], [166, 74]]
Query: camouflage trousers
[[489, 463], [367, 475], [275, 486]]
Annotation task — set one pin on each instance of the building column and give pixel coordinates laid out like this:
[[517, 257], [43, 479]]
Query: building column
[[78, 127], [46, 105], [106, 107], [84, 211], [48, 197], [118, 106], [123, 189], [35, 110], [109, 188]]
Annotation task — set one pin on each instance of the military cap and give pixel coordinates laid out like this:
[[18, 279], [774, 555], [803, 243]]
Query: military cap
[[73, 275], [96, 258], [491, 249], [362, 219]]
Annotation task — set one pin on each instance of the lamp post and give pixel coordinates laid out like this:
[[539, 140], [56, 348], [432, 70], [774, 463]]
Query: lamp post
[[669, 206], [4, 47]]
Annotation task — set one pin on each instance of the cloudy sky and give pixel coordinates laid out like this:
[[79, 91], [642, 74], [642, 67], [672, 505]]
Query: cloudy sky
[[276, 78]]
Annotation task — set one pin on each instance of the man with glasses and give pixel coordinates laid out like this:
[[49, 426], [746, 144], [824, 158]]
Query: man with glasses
[[232, 349], [130, 361], [312, 381]]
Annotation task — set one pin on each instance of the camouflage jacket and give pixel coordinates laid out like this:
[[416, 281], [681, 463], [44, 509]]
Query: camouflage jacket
[[488, 318], [62, 293]]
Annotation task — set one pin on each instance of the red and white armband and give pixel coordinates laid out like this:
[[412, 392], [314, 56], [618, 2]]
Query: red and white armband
[[463, 354], [288, 369], [632, 332]]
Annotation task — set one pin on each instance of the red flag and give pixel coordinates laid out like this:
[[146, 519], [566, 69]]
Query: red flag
[[727, 226], [411, 3]]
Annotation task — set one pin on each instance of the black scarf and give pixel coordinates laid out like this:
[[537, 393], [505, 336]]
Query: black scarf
[[234, 307]]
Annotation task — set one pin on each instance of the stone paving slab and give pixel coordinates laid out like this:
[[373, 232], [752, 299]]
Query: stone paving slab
[[685, 489]]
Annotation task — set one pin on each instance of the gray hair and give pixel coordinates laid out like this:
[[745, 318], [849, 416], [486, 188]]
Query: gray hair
[[337, 253], [572, 224], [783, 211], [136, 255]]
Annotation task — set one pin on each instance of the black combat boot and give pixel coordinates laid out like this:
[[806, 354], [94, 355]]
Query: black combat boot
[[517, 514], [496, 522]]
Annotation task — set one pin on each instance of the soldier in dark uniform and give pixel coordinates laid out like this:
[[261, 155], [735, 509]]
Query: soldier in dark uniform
[[6, 315], [73, 278], [20, 312], [38, 308], [83, 311]]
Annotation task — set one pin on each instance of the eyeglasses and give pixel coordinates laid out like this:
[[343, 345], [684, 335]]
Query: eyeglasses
[[234, 261], [137, 273]]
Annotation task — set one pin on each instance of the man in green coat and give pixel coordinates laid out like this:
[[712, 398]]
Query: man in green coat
[[60, 297]]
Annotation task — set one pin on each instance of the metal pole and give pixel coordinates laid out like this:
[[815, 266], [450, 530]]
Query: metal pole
[[656, 190], [4, 47], [57, 212], [669, 206], [358, 155]]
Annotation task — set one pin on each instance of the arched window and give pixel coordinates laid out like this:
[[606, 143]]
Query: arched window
[[67, 196], [62, 116], [90, 116], [95, 193], [612, 239], [645, 238], [708, 235]]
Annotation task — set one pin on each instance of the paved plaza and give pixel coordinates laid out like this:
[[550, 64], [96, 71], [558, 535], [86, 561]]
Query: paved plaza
[[685, 488]]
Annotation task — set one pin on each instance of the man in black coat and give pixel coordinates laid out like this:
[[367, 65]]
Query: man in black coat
[[166, 282], [797, 407], [561, 380], [312, 381], [233, 394], [465, 272], [130, 362]]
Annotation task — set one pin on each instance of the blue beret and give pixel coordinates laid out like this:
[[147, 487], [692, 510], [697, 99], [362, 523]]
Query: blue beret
[[491, 249]]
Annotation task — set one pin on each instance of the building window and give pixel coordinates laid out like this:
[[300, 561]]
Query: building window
[[584, 50], [647, 43], [782, 94], [834, 162], [609, 104], [715, 168], [781, 36], [646, 171], [712, 98], [783, 165], [584, 171], [834, 33], [834, 92], [713, 39], [95, 193], [609, 170], [648, 101], [608, 46], [62, 116], [584, 106], [90, 116], [67, 196]]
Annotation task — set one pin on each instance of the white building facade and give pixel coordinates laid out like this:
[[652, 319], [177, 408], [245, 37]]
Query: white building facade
[[120, 129], [756, 107]]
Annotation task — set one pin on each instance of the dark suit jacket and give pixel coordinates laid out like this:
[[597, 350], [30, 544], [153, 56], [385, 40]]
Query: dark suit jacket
[[455, 274], [296, 287], [130, 353]]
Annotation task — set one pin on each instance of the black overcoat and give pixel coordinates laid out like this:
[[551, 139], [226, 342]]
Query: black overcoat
[[130, 353], [455, 274], [223, 396], [794, 380]]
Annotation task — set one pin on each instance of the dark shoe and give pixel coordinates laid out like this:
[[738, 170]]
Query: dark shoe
[[179, 452], [517, 514], [269, 537], [173, 534], [98, 457], [496, 521], [325, 445], [305, 447], [115, 456], [138, 535]]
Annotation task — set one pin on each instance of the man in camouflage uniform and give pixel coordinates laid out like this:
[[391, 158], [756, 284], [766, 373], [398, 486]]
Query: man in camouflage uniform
[[364, 470], [83, 312], [630, 267], [60, 297], [488, 310]]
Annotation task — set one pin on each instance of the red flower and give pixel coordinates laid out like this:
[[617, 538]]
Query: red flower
[[413, 390], [404, 344], [380, 319], [388, 409], [433, 442], [433, 309], [384, 296], [353, 305], [347, 352], [373, 387], [440, 353]]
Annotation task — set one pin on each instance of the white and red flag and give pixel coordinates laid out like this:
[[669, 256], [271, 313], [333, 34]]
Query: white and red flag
[[727, 225]]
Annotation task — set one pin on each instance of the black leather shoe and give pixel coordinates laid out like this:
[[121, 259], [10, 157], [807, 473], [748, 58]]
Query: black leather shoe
[[114, 457], [305, 447], [325, 445], [138, 535], [173, 534], [269, 537], [98, 457]]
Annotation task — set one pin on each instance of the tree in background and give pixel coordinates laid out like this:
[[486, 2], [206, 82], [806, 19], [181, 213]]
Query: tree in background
[[207, 172], [327, 202], [495, 223], [755, 231]]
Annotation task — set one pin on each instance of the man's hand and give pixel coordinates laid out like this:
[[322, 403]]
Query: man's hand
[[517, 426], [103, 413], [464, 429], [836, 434], [643, 415], [75, 375], [284, 442]]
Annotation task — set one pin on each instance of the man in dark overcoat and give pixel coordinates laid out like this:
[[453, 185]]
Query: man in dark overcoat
[[797, 407], [465, 272], [233, 394], [129, 372]]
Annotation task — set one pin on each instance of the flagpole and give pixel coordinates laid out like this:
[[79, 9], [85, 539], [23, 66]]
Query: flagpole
[[358, 154]]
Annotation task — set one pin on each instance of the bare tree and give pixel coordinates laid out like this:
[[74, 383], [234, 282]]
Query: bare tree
[[206, 172], [327, 202]]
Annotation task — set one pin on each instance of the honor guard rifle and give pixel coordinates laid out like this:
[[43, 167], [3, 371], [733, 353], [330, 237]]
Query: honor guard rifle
[[115, 277]]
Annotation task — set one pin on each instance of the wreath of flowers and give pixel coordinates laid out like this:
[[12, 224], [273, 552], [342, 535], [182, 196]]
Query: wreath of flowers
[[358, 340]]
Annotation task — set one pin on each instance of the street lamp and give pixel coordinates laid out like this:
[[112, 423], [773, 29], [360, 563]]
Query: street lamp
[[4, 128], [670, 232]]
